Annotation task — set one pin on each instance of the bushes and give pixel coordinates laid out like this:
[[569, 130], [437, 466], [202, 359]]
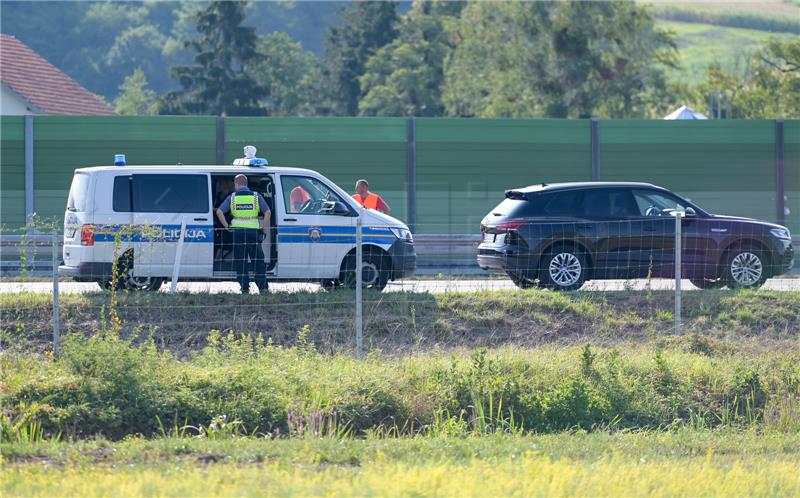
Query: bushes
[[112, 387]]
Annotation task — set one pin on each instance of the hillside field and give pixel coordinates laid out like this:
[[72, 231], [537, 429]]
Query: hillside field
[[700, 45]]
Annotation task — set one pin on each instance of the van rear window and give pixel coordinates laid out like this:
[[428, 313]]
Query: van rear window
[[170, 193], [78, 192], [122, 194]]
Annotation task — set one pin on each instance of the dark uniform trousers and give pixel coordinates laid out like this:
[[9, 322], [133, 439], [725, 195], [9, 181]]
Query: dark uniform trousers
[[247, 247]]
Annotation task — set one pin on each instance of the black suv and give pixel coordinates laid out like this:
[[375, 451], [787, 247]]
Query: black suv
[[558, 236]]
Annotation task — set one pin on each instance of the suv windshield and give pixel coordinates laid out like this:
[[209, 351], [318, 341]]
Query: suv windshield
[[652, 203]]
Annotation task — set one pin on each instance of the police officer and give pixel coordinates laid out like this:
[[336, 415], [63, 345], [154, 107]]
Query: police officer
[[246, 207]]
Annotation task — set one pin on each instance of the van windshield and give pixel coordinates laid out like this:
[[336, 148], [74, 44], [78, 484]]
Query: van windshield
[[78, 192]]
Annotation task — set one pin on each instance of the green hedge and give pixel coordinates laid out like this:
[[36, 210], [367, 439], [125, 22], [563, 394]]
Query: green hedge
[[113, 388]]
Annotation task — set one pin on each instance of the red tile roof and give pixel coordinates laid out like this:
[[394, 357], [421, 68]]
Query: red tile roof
[[44, 85]]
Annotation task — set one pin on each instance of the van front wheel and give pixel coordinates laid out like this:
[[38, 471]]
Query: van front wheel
[[374, 274]]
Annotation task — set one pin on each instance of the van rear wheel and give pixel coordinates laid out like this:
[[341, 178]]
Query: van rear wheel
[[133, 283], [144, 283]]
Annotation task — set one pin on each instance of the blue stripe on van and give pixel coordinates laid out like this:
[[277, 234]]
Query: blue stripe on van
[[153, 233], [301, 234]]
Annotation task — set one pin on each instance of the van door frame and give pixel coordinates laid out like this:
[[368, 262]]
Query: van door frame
[[272, 261]]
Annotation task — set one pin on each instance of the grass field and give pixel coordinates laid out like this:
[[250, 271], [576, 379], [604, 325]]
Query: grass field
[[402, 323], [571, 394], [675, 463]]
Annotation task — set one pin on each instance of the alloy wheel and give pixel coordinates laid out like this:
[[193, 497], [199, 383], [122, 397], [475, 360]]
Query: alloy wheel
[[565, 269], [746, 269]]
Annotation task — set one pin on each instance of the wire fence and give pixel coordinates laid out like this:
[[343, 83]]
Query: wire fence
[[432, 289]]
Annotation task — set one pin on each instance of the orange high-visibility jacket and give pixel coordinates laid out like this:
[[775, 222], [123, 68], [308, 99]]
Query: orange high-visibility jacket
[[371, 201]]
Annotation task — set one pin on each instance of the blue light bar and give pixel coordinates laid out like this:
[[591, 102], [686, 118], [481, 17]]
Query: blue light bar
[[119, 159]]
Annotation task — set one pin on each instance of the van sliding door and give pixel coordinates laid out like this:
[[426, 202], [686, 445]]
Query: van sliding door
[[161, 203]]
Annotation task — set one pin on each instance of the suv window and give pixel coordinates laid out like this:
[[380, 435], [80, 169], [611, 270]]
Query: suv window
[[306, 195], [565, 203], [78, 192], [654, 203], [122, 194], [170, 193], [609, 203]]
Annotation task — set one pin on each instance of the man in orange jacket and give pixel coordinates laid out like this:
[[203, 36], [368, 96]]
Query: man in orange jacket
[[369, 200]]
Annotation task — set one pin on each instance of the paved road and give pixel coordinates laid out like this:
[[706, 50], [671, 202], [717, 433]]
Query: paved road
[[434, 286]]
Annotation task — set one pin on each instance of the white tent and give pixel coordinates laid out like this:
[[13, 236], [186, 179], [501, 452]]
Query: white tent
[[685, 112]]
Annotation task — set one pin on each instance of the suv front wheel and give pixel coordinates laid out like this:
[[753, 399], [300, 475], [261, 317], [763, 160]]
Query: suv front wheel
[[563, 268], [745, 268]]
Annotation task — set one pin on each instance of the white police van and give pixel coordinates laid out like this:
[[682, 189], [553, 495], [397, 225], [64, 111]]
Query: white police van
[[134, 215]]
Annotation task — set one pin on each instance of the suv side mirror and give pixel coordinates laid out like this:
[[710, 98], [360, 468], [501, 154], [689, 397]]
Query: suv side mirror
[[690, 211]]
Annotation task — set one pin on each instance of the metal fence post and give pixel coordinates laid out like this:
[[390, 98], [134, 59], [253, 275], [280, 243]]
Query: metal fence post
[[359, 316], [220, 140], [678, 249], [29, 197], [595, 140], [411, 173], [780, 175], [176, 267], [56, 307]]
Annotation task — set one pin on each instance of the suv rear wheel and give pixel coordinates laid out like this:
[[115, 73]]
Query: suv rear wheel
[[522, 281], [745, 268], [707, 283], [563, 268]]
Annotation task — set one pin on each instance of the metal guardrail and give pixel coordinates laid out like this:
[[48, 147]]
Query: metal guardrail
[[448, 254], [435, 254]]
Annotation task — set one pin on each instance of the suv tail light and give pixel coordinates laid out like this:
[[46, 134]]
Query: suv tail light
[[87, 235], [510, 225]]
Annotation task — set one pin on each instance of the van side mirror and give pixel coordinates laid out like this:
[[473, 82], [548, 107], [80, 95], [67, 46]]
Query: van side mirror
[[336, 208], [340, 209]]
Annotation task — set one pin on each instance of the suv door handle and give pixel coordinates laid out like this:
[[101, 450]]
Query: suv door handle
[[585, 227], [201, 219], [290, 219], [649, 229]]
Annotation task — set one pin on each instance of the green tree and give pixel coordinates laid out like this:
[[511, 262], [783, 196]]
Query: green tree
[[609, 60], [557, 59], [770, 87], [405, 77], [220, 82], [366, 27], [501, 50], [289, 75], [135, 98]]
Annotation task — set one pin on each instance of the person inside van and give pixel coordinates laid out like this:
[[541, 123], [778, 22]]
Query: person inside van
[[246, 207], [297, 199]]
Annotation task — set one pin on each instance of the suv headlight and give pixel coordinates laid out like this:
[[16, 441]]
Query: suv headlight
[[781, 233], [402, 233]]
